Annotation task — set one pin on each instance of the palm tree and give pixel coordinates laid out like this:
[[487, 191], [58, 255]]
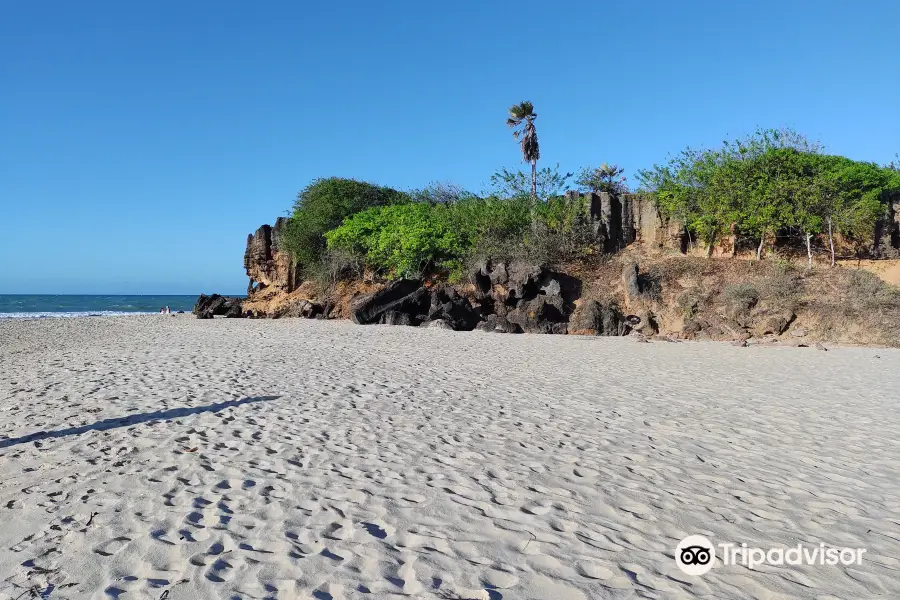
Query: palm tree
[[521, 119]]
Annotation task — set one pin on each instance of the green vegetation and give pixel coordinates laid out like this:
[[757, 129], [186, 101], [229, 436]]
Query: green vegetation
[[772, 183], [403, 240], [521, 120], [546, 183], [322, 206], [769, 182], [410, 240], [605, 178]]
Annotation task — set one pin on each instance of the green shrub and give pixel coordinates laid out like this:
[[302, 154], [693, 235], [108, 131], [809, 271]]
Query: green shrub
[[322, 206], [409, 239], [403, 240], [555, 230], [477, 218]]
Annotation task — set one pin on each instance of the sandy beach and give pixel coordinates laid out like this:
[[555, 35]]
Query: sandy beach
[[170, 458]]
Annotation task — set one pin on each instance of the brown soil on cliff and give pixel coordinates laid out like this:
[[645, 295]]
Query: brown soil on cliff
[[693, 297], [736, 299]]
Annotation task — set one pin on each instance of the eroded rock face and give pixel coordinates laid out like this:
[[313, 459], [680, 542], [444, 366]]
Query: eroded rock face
[[622, 220], [267, 264], [402, 297], [300, 308], [452, 309], [595, 318], [525, 297], [215, 305]]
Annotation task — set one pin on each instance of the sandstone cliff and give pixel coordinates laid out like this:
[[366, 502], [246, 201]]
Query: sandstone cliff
[[267, 264], [276, 287], [631, 218], [638, 289]]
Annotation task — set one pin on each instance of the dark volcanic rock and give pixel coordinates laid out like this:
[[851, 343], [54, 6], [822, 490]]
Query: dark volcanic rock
[[394, 317], [302, 308], [596, 318], [542, 314], [401, 296], [497, 324], [631, 281], [524, 297], [480, 277], [208, 307], [449, 306], [522, 283], [408, 302], [437, 324]]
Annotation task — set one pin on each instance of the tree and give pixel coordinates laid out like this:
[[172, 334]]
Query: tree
[[745, 187], [864, 187], [695, 189], [605, 178], [323, 205], [521, 120], [806, 199], [828, 190], [439, 192], [543, 184], [673, 189]]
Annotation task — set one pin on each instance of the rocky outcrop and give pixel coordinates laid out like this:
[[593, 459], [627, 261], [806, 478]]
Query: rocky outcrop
[[887, 234], [300, 308], [596, 318], [215, 305], [266, 262], [497, 324], [622, 220], [409, 302], [402, 297], [524, 297], [509, 298], [452, 310]]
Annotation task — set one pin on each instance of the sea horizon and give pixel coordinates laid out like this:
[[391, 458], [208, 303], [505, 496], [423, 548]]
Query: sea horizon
[[36, 306]]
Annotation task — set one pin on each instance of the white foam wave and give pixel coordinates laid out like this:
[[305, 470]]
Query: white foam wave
[[73, 314]]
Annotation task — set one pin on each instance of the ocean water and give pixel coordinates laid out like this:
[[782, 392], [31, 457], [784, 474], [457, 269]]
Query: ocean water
[[25, 306]]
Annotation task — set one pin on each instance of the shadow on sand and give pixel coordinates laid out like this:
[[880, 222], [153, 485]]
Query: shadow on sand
[[106, 424]]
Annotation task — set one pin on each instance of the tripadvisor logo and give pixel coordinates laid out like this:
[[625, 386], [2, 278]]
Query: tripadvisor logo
[[696, 555]]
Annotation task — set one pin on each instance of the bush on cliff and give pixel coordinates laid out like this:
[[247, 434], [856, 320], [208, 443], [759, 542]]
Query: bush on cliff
[[404, 240], [770, 182], [411, 239], [322, 206]]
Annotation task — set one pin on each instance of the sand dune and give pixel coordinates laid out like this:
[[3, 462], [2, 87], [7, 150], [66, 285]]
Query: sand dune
[[164, 457]]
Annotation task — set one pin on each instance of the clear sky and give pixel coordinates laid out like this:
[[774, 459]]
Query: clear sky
[[140, 142]]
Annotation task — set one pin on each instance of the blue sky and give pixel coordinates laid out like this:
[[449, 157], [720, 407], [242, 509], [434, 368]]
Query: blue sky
[[140, 142]]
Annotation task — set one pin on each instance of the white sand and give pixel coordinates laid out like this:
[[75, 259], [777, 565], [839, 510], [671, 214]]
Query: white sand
[[432, 464]]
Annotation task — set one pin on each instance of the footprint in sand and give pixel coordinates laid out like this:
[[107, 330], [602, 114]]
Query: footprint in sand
[[113, 546]]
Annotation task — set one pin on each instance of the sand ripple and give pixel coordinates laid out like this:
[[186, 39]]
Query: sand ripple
[[153, 457]]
